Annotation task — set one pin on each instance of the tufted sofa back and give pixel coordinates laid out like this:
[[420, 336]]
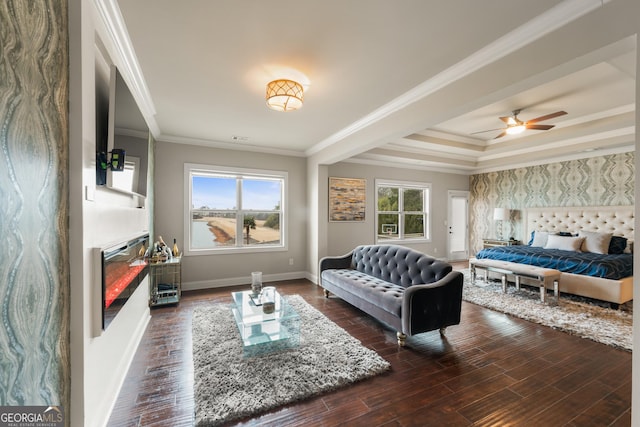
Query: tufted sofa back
[[399, 265]]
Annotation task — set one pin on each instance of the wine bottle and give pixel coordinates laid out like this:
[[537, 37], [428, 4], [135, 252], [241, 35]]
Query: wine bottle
[[176, 252]]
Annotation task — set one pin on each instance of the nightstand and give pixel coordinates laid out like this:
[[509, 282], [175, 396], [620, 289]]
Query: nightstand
[[490, 243]]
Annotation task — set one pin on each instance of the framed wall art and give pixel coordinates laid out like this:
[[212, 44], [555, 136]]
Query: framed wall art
[[347, 199]]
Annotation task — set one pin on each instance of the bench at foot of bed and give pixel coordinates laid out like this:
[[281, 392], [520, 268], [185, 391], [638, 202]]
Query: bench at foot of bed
[[544, 276]]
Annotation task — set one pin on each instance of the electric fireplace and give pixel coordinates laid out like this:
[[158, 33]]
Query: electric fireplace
[[123, 268]]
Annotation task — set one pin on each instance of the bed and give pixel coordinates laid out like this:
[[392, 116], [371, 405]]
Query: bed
[[606, 277]]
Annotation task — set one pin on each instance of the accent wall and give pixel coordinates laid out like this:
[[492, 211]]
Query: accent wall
[[34, 266], [595, 181]]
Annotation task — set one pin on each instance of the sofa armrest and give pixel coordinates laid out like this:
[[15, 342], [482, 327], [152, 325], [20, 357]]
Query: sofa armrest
[[334, 262], [432, 306]]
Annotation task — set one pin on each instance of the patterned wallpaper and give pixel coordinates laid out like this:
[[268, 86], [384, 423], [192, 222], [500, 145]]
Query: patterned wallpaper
[[34, 266], [595, 181]]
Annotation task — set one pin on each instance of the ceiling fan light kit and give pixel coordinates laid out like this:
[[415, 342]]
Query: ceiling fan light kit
[[514, 130], [516, 126], [284, 95]]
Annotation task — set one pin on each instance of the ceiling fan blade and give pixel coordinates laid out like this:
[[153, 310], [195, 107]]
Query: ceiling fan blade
[[539, 127], [547, 117], [488, 130], [501, 135]]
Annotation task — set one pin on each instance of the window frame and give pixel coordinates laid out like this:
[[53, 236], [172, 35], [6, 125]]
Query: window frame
[[248, 173], [426, 210]]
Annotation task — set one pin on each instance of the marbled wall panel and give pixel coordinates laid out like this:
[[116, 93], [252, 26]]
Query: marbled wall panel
[[34, 266], [595, 181]]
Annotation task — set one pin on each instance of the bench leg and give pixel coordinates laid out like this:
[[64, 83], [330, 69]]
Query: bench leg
[[517, 282], [326, 293], [402, 339], [543, 292], [556, 290], [473, 273], [504, 283]]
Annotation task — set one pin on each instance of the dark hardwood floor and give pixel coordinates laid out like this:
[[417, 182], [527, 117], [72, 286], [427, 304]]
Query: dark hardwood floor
[[491, 370]]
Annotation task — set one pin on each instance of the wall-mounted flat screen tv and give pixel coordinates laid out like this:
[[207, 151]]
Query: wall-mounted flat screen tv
[[127, 130]]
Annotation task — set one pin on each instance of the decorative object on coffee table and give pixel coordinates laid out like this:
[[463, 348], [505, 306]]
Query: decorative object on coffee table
[[268, 299], [256, 283], [228, 386]]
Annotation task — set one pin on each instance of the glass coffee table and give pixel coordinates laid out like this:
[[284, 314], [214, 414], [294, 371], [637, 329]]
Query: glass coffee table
[[265, 333]]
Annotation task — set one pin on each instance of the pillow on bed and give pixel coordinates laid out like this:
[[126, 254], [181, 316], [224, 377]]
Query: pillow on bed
[[564, 243], [595, 242], [539, 238], [617, 245]]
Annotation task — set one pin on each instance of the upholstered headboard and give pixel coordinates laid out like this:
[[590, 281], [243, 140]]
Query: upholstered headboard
[[606, 219]]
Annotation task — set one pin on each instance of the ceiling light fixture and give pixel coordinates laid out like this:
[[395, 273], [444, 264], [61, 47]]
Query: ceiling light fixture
[[284, 95], [514, 130]]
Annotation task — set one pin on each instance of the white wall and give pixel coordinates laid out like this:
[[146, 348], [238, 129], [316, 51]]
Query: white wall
[[344, 236], [97, 218], [317, 193], [204, 271]]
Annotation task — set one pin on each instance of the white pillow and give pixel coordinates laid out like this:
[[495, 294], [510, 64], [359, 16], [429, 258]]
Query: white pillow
[[564, 243], [540, 238], [595, 242]]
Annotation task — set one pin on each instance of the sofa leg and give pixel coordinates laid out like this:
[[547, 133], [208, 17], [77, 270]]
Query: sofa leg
[[326, 293], [402, 339], [442, 330]]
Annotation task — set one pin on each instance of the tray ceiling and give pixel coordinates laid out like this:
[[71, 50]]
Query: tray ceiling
[[405, 86]]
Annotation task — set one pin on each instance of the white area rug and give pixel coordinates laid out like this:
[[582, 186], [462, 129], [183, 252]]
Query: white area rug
[[573, 314], [228, 386]]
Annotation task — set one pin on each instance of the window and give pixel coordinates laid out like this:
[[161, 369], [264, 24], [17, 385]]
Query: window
[[402, 211], [234, 209]]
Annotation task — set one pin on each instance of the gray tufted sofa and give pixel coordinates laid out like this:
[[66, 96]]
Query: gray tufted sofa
[[408, 290]]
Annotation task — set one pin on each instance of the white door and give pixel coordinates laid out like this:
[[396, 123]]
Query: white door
[[458, 226]]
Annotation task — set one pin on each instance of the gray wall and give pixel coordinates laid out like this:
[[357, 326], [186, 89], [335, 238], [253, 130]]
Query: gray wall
[[344, 236], [202, 271], [34, 264]]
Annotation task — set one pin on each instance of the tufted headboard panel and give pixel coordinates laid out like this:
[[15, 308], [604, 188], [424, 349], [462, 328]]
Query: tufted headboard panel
[[606, 219]]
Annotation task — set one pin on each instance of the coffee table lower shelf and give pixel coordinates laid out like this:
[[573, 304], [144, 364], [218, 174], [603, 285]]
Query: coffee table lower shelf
[[265, 333]]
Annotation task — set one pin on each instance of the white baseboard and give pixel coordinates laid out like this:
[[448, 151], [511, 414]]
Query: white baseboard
[[243, 280], [313, 278]]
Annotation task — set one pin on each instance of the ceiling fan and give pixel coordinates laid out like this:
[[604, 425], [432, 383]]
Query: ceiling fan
[[516, 126]]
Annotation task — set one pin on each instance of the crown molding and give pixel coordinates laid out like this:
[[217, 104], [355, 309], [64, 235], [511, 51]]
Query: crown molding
[[237, 146], [569, 157], [405, 165], [126, 59]]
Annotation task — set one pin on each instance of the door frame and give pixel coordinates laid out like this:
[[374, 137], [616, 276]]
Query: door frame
[[457, 256]]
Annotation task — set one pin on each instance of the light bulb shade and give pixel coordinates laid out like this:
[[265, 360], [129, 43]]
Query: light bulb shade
[[284, 95], [500, 214], [514, 130]]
